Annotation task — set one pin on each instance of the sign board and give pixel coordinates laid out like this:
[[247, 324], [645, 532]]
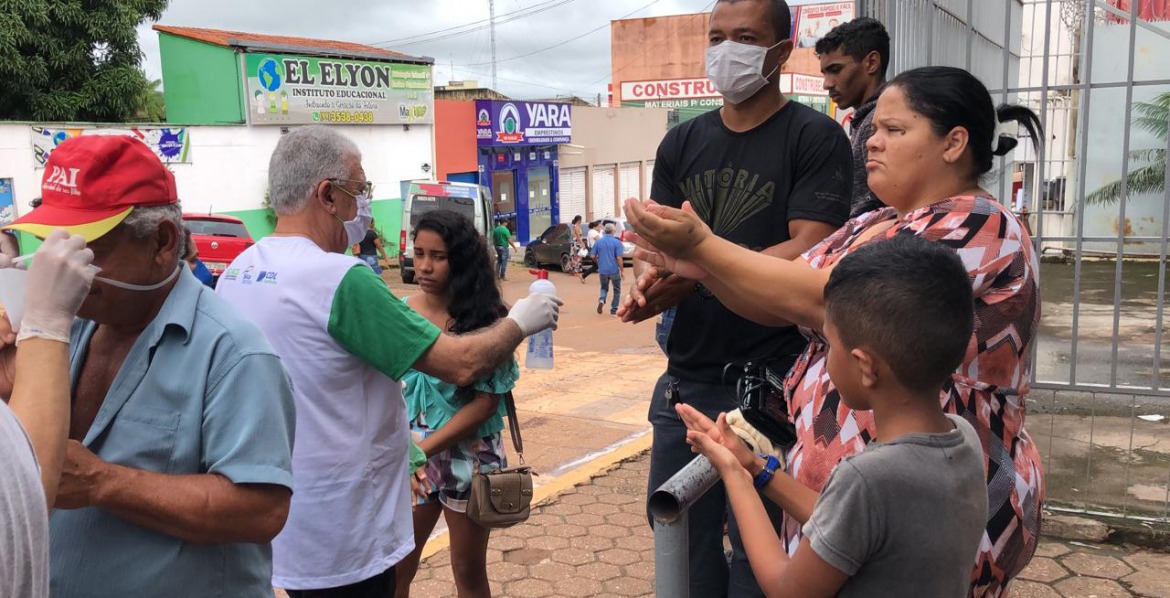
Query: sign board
[[670, 89], [502, 123], [699, 93], [285, 89], [811, 22], [171, 145], [7, 203]]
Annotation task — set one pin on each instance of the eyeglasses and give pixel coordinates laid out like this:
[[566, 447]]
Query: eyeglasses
[[367, 188]]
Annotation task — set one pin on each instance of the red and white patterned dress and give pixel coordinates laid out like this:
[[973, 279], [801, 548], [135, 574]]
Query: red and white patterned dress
[[987, 390]]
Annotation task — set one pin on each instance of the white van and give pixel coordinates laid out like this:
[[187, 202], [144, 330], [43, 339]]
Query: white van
[[420, 197]]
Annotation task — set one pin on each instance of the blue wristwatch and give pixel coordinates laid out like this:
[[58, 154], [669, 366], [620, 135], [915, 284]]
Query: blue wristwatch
[[771, 464]]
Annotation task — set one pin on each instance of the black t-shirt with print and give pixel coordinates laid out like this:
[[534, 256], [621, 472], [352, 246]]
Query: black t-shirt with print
[[747, 187]]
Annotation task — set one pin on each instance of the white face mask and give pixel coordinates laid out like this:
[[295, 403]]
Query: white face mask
[[141, 287], [735, 69], [355, 230]]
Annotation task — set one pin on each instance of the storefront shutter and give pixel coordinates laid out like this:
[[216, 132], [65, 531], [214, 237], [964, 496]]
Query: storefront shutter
[[572, 193]]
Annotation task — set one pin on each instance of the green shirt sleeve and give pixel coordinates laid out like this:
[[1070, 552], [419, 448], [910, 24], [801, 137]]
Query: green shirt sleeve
[[372, 324]]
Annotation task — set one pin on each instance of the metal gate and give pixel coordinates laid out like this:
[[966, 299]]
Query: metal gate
[[1096, 200]]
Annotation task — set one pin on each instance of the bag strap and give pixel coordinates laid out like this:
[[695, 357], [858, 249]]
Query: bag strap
[[514, 425]]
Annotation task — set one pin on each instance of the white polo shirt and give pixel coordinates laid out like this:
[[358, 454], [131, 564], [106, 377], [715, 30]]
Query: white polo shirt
[[346, 341]]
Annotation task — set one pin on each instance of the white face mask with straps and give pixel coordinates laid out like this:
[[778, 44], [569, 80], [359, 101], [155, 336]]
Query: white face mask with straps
[[142, 287], [736, 69]]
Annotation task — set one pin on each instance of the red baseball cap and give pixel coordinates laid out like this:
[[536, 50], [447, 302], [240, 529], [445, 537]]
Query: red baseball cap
[[92, 182]]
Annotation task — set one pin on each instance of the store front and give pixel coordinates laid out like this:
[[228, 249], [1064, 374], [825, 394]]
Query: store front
[[518, 160]]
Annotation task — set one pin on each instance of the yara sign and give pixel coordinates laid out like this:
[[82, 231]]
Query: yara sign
[[523, 123]]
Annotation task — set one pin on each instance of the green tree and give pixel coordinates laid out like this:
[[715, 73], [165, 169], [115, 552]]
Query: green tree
[[1153, 117], [72, 60], [151, 105]]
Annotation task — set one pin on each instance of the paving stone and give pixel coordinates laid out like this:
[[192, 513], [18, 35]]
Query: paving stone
[[1068, 527], [566, 531], [574, 556], [608, 531], [618, 499], [601, 508], [524, 531], [627, 586], [619, 556], [543, 518], [1044, 569], [561, 508], [494, 556], [585, 519], [505, 543], [529, 588], [598, 571], [505, 572], [578, 499], [1081, 587], [635, 542], [593, 543], [1148, 561], [549, 543], [1095, 566], [1153, 583], [1052, 549], [527, 556], [1032, 589], [551, 571], [643, 569], [577, 586], [626, 519]]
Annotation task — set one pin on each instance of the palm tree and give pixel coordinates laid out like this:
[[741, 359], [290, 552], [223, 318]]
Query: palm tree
[[1155, 118]]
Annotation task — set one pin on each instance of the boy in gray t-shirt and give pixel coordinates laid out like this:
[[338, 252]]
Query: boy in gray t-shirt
[[905, 517]]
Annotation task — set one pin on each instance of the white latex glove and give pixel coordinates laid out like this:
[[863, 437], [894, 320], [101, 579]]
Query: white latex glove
[[536, 312], [58, 282]]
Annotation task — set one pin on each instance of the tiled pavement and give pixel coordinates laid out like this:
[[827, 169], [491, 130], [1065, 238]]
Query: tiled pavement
[[593, 540]]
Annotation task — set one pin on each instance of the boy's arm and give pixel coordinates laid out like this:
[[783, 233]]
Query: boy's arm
[[764, 550], [795, 498]]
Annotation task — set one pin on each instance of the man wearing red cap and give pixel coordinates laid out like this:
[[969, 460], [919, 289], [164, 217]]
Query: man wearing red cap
[[177, 475]]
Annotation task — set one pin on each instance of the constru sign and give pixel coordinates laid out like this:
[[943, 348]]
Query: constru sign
[[285, 89], [672, 89]]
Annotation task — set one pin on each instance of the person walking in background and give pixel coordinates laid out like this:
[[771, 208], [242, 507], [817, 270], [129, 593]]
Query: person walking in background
[[575, 251], [459, 429], [607, 252], [502, 240], [591, 237], [370, 248], [854, 59], [191, 256]]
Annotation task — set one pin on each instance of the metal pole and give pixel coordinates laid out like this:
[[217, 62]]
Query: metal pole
[[492, 29], [672, 576], [669, 505]]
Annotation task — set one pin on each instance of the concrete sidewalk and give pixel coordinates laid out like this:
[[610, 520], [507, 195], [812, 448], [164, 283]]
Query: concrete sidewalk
[[593, 540]]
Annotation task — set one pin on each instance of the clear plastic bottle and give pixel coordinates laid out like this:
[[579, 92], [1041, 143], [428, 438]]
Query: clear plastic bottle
[[540, 345]]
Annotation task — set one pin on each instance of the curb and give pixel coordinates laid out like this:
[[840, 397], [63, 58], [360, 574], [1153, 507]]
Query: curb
[[547, 493]]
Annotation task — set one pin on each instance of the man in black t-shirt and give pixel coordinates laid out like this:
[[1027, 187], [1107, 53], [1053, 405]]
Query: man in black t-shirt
[[771, 175]]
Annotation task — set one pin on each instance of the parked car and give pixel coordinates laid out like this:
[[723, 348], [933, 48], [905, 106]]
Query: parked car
[[420, 197], [220, 239], [624, 231], [554, 245]]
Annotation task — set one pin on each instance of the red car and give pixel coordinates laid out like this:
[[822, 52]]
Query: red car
[[220, 239]]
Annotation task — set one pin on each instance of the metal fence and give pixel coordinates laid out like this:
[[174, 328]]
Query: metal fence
[[1097, 73]]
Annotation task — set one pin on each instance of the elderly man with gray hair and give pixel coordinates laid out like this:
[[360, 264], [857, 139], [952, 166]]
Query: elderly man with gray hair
[[607, 253], [347, 342], [177, 474]]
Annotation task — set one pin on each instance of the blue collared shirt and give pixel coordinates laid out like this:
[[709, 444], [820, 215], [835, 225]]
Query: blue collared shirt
[[608, 251], [201, 391]]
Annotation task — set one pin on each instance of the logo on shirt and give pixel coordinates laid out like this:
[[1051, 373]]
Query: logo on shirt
[[247, 277], [728, 197], [266, 277], [232, 274]]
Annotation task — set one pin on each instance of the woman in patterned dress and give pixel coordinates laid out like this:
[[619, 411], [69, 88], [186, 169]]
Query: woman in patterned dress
[[459, 429], [575, 250], [935, 136]]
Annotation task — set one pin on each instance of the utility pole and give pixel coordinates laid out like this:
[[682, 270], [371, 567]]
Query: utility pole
[[492, 28]]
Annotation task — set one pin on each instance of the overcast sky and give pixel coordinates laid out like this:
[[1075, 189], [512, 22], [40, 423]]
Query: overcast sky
[[579, 67]]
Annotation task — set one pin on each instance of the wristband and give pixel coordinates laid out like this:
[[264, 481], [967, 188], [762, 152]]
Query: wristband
[[771, 464], [27, 332]]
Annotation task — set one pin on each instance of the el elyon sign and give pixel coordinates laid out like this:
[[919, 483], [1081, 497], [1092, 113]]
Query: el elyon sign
[[285, 89], [522, 123]]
